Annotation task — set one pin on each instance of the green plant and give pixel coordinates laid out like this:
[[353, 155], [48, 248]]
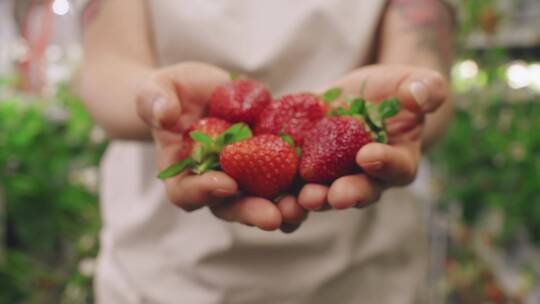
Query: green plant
[[51, 215], [490, 159]]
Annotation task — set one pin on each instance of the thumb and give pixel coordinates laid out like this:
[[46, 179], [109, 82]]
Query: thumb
[[419, 89], [158, 105], [423, 90]]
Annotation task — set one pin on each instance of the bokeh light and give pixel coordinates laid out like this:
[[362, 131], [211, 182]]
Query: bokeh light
[[60, 7], [518, 75], [467, 69]]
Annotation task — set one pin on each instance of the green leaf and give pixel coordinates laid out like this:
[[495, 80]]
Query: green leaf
[[298, 151], [287, 139], [358, 106], [176, 168], [341, 111], [235, 133], [201, 137], [332, 94], [225, 137], [389, 108], [234, 128], [244, 133]]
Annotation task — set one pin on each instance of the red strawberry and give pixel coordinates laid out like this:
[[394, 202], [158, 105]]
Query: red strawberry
[[202, 142], [263, 165], [294, 114], [329, 150], [239, 101]]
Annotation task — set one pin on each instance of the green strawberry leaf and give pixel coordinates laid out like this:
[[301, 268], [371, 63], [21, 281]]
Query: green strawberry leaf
[[331, 94], [287, 139], [243, 133], [235, 133], [226, 137], [177, 168], [389, 108], [201, 137], [358, 106], [341, 111]]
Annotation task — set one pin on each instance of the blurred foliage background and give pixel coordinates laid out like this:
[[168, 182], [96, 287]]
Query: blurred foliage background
[[485, 223], [48, 178]]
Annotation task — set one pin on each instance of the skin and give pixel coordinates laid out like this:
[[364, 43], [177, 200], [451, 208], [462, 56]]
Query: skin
[[152, 103]]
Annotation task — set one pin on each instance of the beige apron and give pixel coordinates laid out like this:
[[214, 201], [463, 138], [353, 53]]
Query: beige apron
[[153, 252]]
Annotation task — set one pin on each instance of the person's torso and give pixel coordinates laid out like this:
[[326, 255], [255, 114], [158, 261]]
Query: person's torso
[[153, 252]]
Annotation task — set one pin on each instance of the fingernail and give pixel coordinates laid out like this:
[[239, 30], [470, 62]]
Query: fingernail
[[373, 166], [420, 92], [158, 106]]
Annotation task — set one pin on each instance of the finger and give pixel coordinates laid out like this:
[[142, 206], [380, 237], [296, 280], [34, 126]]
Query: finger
[[291, 211], [396, 165], [424, 89], [313, 196], [158, 104], [191, 192], [195, 79], [354, 190], [253, 211]]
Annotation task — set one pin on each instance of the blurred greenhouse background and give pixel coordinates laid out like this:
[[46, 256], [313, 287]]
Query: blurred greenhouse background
[[485, 226]]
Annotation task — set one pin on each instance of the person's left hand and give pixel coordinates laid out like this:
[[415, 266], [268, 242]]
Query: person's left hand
[[421, 91]]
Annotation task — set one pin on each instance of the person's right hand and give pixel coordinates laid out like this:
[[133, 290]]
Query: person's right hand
[[169, 101]]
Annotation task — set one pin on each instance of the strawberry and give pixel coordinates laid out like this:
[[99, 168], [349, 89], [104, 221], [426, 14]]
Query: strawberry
[[329, 150], [202, 142], [293, 114], [263, 165], [239, 100]]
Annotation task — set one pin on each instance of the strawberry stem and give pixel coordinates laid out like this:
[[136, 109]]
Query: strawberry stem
[[206, 165]]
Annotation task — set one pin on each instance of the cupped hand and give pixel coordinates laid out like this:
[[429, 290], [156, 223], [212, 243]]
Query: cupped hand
[[169, 101], [421, 91]]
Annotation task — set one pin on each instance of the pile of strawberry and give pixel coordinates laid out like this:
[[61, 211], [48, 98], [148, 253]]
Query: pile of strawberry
[[268, 145]]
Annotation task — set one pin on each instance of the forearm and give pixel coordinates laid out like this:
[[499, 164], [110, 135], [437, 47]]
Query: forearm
[[118, 58], [420, 33], [109, 89]]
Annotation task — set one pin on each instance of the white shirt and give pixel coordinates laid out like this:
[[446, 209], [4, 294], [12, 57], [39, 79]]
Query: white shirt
[[153, 252]]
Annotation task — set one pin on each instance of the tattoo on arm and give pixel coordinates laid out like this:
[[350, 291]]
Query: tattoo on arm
[[432, 21]]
